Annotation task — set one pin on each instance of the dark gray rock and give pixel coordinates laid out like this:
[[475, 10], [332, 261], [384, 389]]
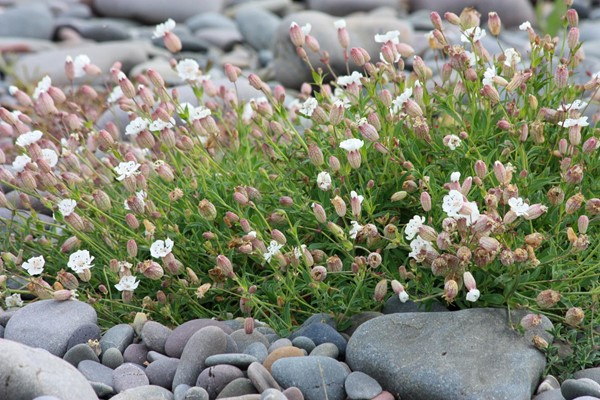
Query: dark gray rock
[[136, 353], [284, 342], [96, 372], [394, 305], [322, 333], [149, 392], [26, 373], [112, 357], [179, 337], [260, 36], [119, 336], [155, 11], [209, 20], [214, 379], [98, 29], [237, 387], [243, 339], [239, 360], [590, 373], [222, 38], [258, 350], [49, 324], [480, 362], [361, 386], [161, 372], [129, 376], [79, 353], [316, 377], [155, 356], [32, 20], [155, 336], [553, 394], [573, 388], [83, 334], [358, 319]]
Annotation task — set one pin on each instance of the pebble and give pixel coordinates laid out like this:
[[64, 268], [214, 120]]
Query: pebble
[[573, 388], [326, 350], [243, 339], [303, 342], [238, 387], [150, 392], [161, 372], [78, 353], [196, 393], [261, 377], [359, 385], [101, 389], [28, 21], [155, 335], [155, 11], [179, 337], [119, 336], [96, 372], [129, 376], [260, 36], [136, 353], [279, 343], [257, 350], [345, 7], [214, 379], [112, 358], [322, 333], [209, 20], [239, 360], [293, 393], [590, 373], [272, 394], [282, 352], [83, 335]]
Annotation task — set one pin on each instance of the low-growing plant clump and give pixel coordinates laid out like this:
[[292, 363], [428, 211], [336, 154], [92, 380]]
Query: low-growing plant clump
[[470, 182]]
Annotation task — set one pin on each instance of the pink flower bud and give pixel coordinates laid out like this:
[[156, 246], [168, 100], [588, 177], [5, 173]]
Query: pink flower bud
[[318, 273], [360, 56], [591, 145], [369, 132], [151, 269], [469, 281], [494, 23], [315, 155], [207, 210], [426, 201], [69, 68], [573, 38], [504, 125], [132, 221], [232, 72], [339, 205], [286, 201], [312, 44], [582, 224], [64, 295], [278, 236], [561, 76], [354, 158], [592, 206], [334, 163], [343, 37], [491, 94], [450, 289], [452, 18], [172, 42], [436, 21], [319, 212], [225, 265], [572, 17], [132, 248], [547, 298], [297, 35], [380, 290]]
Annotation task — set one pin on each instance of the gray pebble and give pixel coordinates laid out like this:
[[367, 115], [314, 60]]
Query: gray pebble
[[359, 385], [155, 336], [180, 391], [101, 389], [258, 350], [136, 353], [196, 393], [572, 388], [279, 343], [112, 358], [303, 342], [239, 360], [244, 339], [96, 372], [214, 379], [79, 353], [272, 394], [149, 392], [261, 377], [161, 372], [293, 393], [326, 350], [591, 373], [237, 387], [119, 336], [155, 356], [83, 334], [129, 376]]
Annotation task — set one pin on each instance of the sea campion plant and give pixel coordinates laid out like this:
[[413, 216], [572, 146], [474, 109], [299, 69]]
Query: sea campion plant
[[468, 182]]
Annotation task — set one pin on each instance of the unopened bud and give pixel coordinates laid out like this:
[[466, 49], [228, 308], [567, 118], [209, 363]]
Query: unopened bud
[[207, 210], [574, 316], [494, 23], [380, 290]]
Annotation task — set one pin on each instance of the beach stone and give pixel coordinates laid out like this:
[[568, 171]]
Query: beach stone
[[243, 339], [590, 373], [204, 343], [79, 353], [14, 199], [101, 389], [258, 350], [128, 376], [149, 392], [32, 20], [154, 11], [177, 340], [394, 305], [550, 383], [27, 372], [303, 342], [280, 343], [180, 391], [136, 353], [196, 393], [326, 350], [155, 336], [214, 379], [505, 9], [573, 388], [260, 36], [112, 357], [293, 393], [222, 38], [385, 395], [155, 356], [96, 372], [239, 360], [345, 7], [1, 332], [49, 324], [320, 318], [209, 20], [98, 29], [261, 377], [553, 394], [22, 218], [236, 388], [388, 347], [161, 372], [316, 377], [119, 336], [272, 394], [321, 333], [282, 352], [361, 386], [83, 335]]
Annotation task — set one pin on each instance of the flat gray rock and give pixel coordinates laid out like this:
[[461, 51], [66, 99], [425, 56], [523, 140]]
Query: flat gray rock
[[177, 340], [573, 388], [161, 372], [155, 11], [214, 379], [26, 373], [96, 372], [78, 353], [119, 336], [49, 324], [28, 21], [149, 392], [155, 336], [128, 376], [421, 356], [361, 386]]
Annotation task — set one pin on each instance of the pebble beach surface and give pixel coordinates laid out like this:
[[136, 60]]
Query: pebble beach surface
[[51, 350]]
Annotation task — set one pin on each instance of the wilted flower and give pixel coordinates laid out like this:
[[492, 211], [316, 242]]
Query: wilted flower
[[574, 316], [14, 300], [547, 298], [324, 181], [511, 57], [308, 107], [452, 141], [35, 265], [161, 248], [127, 282], [80, 261]]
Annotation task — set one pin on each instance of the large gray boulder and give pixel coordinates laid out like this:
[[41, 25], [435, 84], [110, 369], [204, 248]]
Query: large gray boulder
[[32, 20], [155, 11]]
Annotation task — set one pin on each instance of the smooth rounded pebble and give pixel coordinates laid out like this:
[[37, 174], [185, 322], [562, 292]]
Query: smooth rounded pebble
[[293, 393], [282, 352], [161, 372], [272, 394], [305, 343], [96, 372], [280, 343], [149, 392], [112, 358], [572, 388], [261, 377], [239, 360], [258, 350], [238, 387], [320, 333], [359, 385], [119, 336], [181, 335], [101, 389], [129, 376], [78, 353], [214, 379], [180, 391], [196, 393], [136, 353], [326, 350], [155, 335], [243, 339], [83, 335]]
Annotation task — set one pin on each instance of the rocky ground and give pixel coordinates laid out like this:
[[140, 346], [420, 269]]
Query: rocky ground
[[471, 354]]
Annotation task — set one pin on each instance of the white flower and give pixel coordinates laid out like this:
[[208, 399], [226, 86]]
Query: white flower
[[359, 197], [197, 113], [115, 95], [126, 169], [511, 56], [419, 247], [162, 29], [50, 157], [20, 163], [14, 300], [356, 228], [306, 28], [67, 207], [340, 24], [189, 70], [127, 282], [12, 90], [472, 58], [309, 106], [80, 261], [159, 124], [161, 248], [525, 26], [42, 87], [474, 215], [412, 227], [136, 126], [452, 203], [576, 105], [488, 76], [352, 144], [569, 122], [399, 101], [35, 265], [518, 206], [390, 36], [79, 64], [455, 177], [28, 138], [345, 80], [324, 180], [273, 248], [452, 142], [473, 295], [475, 33], [403, 296], [141, 195]]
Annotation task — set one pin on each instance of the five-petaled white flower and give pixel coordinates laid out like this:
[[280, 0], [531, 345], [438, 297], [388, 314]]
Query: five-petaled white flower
[[569, 122], [308, 107], [196, 113], [79, 64], [159, 124], [356, 228], [352, 144], [80, 261], [50, 157], [324, 180], [419, 248], [127, 282], [399, 101], [390, 36], [189, 70], [161, 248], [273, 248], [67, 207], [162, 29], [21, 162], [525, 26], [452, 142], [340, 24], [127, 169], [346, 80], [452, 203], [511, 56], [42, 87], [488, 76], [14, 300], [475, 33], [28, 138], [115, 95], [518, 206], [576, 105], [412, 227], [35, 265], [136, 126]]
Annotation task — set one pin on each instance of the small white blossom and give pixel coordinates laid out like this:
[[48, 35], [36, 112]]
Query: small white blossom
[[452, 203], [14, 300], [127, 282], [525, 26], [50, 157], [511, 56], [141, 195], [324, 181], [356, 228], [475, 33], [403, 296], [359, 197], [412, 227], [309, 106], [136, 126], [115, 95], [80, 261], [340, 24], [518, 206], [419, 248], [28, 138], [42, 87], [21, 162], [189, 70], [352, 144], [79, 64], [162, 29], [198, 113], [569, 122], [161, 248], [488, 76], [126, 169], [399, 101], [67, 207], [272, 249], [473, 295], [35, 265], [159, 124], [390, 36], [576, 105], [455, 176], [452, 142], [346, 80]]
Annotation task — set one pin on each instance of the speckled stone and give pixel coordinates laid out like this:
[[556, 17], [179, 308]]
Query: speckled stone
[[112, 358], [119, 336], [361, 386], [214, 379], [239, 360], [129, 376]]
